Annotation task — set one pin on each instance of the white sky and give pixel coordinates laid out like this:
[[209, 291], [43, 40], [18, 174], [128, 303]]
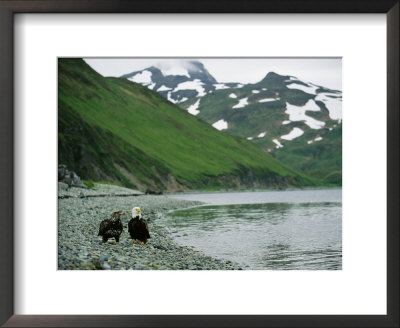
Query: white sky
[[326, 72]]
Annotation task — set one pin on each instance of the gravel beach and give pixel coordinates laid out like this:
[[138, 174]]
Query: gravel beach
[[79, 247]]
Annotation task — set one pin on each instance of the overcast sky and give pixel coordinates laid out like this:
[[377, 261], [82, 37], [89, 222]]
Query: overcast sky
[[326, 72]]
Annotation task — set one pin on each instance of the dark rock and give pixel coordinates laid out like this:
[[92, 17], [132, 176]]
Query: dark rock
[[106, 266], [62, 171], [153, 192], [103, 258], [138, 267], [69, 177]]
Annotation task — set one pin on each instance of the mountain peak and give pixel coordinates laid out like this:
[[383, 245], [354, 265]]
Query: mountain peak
[[178, 80], [195, 65], [193, 69], [273, 75]]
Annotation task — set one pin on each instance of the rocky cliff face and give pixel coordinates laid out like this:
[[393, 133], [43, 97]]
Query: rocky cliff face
[[68, 177]]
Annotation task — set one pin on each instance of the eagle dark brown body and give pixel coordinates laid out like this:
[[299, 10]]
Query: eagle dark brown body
[[138, 229], [111, 228]]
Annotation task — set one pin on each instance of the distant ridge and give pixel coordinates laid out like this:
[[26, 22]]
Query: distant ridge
[[297, 122]]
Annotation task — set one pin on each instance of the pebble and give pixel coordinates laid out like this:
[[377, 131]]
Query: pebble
[[138, 267], [80, 248], [106, 266]]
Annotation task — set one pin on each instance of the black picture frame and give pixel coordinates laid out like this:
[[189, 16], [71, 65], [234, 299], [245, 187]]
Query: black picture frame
[[10, 7]]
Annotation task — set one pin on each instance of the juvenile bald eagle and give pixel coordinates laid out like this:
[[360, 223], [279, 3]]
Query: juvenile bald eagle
[[111, 228], [137, 227]]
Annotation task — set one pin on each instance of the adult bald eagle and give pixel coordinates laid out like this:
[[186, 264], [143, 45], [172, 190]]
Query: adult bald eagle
[[111, 228], [137, 227]]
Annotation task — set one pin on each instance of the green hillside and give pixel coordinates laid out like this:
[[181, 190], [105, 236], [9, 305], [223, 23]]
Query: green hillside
[[115, 130], [321, 159]]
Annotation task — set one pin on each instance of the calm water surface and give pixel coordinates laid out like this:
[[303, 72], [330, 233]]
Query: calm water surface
[[273, 230]]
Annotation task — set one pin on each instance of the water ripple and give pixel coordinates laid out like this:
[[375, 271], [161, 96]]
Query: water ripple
[[273, 236]]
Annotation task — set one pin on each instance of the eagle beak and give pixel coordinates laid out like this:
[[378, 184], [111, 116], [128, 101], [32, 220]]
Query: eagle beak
[[139, 210]]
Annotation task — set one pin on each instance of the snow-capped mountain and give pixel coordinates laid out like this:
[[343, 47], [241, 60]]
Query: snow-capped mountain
[[277, 109], [183, 81], [297, 122]]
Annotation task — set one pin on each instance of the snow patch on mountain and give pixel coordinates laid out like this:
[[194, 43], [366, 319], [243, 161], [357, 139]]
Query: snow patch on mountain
[[232, 95], [267, 100], [143, 77], [312, 106], [176, 70], [291, 78], [295, 133], [286, 122], [220, 86], [192, 85], [255, 91], [249, 138], [220, 125], [163, 88], [333, 103], [298, 113], [262, 135], [175, 101], [311, 89], [242, 103], [277, 143], [170, 99], [315, 139], [192, 109], [151, 86]]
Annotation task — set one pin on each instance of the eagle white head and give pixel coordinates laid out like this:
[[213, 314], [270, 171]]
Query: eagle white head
[[136, 212]]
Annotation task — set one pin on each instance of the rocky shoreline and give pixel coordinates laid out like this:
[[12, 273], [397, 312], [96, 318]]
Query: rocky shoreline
[[79, 247]]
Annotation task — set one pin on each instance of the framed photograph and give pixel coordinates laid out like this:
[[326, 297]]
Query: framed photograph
[[199, 164]]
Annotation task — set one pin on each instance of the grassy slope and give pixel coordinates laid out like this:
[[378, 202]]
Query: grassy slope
[[321, 159], [109, 121]]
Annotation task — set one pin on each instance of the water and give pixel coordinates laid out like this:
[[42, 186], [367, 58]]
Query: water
[[273, 230]]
